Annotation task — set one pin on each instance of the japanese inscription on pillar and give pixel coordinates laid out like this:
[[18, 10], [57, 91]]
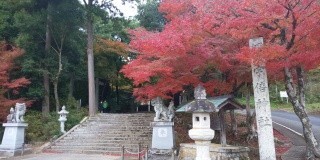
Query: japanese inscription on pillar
[[262, 107]]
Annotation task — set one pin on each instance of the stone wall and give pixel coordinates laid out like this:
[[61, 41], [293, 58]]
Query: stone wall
[[217, 152]]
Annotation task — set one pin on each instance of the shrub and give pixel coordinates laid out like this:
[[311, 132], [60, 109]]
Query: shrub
[[40, 130]]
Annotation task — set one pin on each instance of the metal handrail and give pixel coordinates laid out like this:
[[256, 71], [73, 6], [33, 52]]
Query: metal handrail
[[144, 157]]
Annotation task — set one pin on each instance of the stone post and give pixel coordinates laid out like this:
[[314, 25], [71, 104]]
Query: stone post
[[63, 118], [262, 107], [14, 133], [163, 138]]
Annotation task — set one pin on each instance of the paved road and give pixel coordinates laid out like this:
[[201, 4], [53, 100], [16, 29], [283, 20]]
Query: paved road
[[282, 121], [292, 121]]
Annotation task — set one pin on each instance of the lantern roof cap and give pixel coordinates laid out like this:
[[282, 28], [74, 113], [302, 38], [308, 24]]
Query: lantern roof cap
[[63, 110], [226, 102]]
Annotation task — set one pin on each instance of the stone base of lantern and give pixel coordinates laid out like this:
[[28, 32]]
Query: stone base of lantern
[[13, 140], [162, 135], [188, 152]]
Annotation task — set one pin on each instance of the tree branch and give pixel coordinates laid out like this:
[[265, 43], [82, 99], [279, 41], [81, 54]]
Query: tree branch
[[267, 26], [293, 35], [85, 3]]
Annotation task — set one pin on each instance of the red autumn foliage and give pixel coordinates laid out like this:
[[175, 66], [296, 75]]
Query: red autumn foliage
[[207, 42], [6, 84]]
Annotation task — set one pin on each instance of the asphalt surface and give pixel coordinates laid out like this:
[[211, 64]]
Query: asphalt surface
[[290, 126], [292, 121]]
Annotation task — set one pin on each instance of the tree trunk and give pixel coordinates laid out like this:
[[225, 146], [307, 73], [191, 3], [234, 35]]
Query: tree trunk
[[298, 103], [46, 100], [233, 123], [252, 133], [97, 92], [56, 80], [301, 94], [117, 88], [56, 96], [92, 99], [223, 139], [71, 86]]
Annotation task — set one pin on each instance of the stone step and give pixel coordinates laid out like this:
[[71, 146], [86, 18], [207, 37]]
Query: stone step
[[120, 126], [116, 124], [103, 152], [128, 115], [115, 142], [114, 134], [108, 126], [123, 117], [114, 130], [107, 133], [117, 119], [111, 131], [105, 140], [109, 148], [114, 127], [101, 148], [132, 138], [128, 119], [129, 145], [107, 122], [108, 138], [112, 120], [70, 150]]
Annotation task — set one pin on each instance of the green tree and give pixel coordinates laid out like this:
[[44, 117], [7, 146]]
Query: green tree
[[31, 37], [150, 17], [53, 49], [64, 29], [111, 53], [92, 8]]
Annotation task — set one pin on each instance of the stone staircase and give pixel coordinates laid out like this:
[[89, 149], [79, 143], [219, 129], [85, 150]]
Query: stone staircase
[[106, 133]]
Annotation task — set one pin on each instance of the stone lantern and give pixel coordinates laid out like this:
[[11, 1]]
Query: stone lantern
[[201, 132], [63, 118]]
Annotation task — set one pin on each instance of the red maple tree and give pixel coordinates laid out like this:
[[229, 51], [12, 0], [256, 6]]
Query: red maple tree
[[291, 32], [174, 58], [207, 41], [7, 55]]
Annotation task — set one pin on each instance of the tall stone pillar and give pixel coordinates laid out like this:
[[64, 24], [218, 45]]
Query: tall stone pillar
[[262, 107]]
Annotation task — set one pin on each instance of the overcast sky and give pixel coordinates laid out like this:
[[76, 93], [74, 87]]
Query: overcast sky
[[128, 10]]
